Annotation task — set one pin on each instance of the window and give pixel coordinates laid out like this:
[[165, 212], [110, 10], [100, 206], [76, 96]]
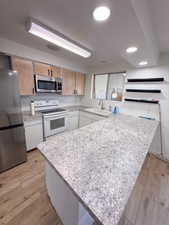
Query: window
[[100, 86], [108, 86]]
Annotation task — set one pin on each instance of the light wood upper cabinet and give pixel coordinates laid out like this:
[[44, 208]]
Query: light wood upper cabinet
[[73, 82], [42, 69], [56, 72], [80, 83], [68, 82], [25, 75]]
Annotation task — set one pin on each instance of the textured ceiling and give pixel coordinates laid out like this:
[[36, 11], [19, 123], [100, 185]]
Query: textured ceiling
[[132, 22]]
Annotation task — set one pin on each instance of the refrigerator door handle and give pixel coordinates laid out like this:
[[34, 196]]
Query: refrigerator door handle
[[11, 127]]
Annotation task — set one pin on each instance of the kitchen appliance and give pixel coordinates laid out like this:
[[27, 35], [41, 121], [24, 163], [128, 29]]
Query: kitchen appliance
[[12, 136], [47, 84], [54, 117], [54, 122]]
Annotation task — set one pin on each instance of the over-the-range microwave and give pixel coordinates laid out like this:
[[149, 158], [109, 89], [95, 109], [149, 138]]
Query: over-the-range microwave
[[46, 84]]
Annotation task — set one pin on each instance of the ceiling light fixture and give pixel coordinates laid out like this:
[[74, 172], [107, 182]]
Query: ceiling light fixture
[[101, 13], [57, 39], [143, 63], [132, 49]]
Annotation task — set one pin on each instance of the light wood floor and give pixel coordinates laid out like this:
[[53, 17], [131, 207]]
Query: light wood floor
[[24, 200]]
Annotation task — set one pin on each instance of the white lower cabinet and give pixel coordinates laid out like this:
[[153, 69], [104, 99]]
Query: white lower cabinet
[[72, 120], [156, 147], [66, 204], [33, 134]]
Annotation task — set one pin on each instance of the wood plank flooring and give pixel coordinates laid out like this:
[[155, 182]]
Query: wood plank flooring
[[149, 202], [24, 200], [23, 195]]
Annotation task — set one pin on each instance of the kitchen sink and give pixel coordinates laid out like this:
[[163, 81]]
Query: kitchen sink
[[101, 112]]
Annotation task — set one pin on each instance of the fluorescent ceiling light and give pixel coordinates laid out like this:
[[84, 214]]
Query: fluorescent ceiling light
[[101, 13], [143, 63], [40, 31], [131, 49]]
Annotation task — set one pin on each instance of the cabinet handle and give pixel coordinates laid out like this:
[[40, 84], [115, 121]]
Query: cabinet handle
[[75, 92], [48, 72]]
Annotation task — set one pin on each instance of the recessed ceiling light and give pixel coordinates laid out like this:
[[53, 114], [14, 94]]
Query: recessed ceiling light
[[101, 13], [143, 63], [131, 49], [56, 39]]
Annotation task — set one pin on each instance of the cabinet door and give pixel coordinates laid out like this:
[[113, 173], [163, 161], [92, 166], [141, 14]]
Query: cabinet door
[[72, 121], [56, 72], [33, 135], [42, 69], [68, 82], [25, 75], [80, 83]]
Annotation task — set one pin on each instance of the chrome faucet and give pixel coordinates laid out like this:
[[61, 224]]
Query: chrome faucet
[[101, 102]]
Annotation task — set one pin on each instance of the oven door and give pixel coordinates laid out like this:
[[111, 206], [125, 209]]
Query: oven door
[[45, 84], [54, 125]]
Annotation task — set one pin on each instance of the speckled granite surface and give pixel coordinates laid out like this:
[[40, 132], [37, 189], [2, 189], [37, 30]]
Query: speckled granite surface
[[27, 117], [76, 107], [102, 161]]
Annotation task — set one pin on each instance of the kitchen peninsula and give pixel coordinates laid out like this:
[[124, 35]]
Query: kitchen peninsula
[[98, 165]]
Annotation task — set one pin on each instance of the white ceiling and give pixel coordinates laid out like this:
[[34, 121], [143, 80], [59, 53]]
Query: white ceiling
[[143, 23]]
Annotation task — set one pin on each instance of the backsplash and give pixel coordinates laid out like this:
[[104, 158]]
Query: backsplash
[[63, 100]]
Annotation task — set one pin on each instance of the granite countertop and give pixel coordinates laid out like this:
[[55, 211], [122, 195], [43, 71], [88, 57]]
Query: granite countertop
[[101, 162], [75, 107], [27, 117]]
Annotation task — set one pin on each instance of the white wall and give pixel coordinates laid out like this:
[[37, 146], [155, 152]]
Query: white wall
[[144, 108], [161, 71], [13, 48]]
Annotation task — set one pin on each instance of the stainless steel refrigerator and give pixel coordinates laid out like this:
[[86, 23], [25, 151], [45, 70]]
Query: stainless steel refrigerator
[[12, 137]]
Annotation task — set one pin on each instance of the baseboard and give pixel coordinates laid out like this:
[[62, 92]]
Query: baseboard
[[160, 157]]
